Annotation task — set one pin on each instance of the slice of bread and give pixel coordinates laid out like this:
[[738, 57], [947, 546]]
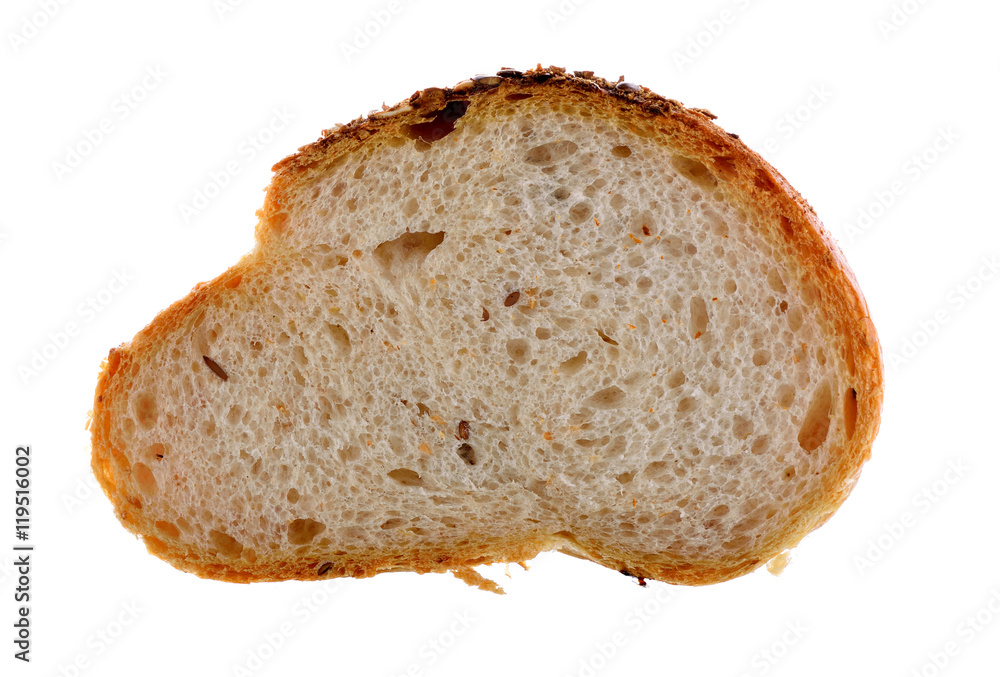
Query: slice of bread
[[533, 311]]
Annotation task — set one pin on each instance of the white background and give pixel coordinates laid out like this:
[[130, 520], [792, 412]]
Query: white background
[[847, 99]]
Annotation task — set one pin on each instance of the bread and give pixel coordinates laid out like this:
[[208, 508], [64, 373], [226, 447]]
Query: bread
[[534, 311]]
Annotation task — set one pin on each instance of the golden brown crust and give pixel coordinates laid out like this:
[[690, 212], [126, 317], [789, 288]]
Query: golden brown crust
[[780, 213]]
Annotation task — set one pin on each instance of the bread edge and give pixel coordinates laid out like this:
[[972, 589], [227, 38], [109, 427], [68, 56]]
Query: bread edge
[[740, 171]]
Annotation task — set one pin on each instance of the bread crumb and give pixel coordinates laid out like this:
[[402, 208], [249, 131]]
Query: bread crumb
[[472, 577], [778, 563]]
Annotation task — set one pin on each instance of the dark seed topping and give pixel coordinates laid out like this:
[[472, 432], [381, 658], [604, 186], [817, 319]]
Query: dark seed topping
[[486, 314], [216, 369], [640, 579], [463, 430], [512, 298], [325, 569]]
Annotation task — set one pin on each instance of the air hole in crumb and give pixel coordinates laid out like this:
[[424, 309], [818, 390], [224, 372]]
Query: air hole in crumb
[[394, 523], [467, 454], [348, 454], [550, 153], [407, 252], [146, 411], [292, 496], [725, 165], [411, 207], [760, 445], [795, 319], [676, 379], [625, 477], [224, 543], [621, 151], [742, 428], [775, 282], [406, 477], [761, 357], [302, 531], [817, 421], [235, 414], [850, 411], [686, 405], [607, 398], [656, 469], [786, 395], [789, 472], [341, 339], [543, 333], [699, 317], [144, 478], [717, 224], [580, 212], [519, 350], [441, 125], [167, 529], [694, 171], [574, 364], [737, 543]]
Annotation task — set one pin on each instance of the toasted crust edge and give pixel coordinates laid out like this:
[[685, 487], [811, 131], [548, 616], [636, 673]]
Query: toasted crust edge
[[742, 173]]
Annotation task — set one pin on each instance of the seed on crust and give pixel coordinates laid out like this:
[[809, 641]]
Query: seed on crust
[[486, 79]]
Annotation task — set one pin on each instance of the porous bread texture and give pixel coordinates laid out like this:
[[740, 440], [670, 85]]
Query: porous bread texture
[[559, 325]]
